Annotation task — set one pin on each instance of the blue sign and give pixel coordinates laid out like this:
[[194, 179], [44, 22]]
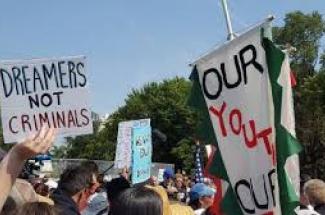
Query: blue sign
[[141, 153]]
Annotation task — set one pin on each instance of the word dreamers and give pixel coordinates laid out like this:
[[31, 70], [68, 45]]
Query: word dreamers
[[248, 188], [237, 127], [28, 79], [219, 77], [53, 119]]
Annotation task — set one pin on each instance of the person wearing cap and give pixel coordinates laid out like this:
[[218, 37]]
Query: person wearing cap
[[168, 182], [201, 198]]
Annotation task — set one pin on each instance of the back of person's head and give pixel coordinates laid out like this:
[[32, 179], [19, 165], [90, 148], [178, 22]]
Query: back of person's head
[[36, 208], [138, 201], [115, 187], [74, 180], [164, 197], [9, 207], [314, 189], [91, 166]]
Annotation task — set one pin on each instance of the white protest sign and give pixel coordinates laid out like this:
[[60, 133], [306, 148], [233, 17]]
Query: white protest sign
[[237, 91], [124, 142], [160, 175], [44, 92]]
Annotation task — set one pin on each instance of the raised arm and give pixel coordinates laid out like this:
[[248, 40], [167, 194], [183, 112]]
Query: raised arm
[[12, 164]]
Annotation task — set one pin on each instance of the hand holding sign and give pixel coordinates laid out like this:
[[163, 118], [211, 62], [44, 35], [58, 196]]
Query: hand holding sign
[[34, 145]]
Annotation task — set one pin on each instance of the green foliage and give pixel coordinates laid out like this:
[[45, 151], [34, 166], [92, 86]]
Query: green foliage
[[303, 32], [93, 146], [310, 126], [165, 104]]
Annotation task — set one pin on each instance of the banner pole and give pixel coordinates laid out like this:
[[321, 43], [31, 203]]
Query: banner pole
[[231, 34]]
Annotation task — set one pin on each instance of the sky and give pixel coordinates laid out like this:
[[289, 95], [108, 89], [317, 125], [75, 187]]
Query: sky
[[129, 43]]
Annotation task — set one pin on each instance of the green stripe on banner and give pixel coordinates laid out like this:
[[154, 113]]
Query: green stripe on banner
[[205, 132], [286, 144]]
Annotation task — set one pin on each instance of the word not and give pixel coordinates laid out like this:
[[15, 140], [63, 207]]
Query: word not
[[45, 99], [27, 79], [220, 78], [53, 119], [244, 188], [238, 128]]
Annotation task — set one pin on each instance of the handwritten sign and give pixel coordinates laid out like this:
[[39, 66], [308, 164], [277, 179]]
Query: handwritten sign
[[141, 154], [124, 142], [44, 92], [235, 84]]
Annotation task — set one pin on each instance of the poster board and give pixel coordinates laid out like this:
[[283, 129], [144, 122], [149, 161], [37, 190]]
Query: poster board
[[44, 92]]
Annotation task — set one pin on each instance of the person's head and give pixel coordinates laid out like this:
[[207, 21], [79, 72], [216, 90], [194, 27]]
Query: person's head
[[93, 169], [138, 201], [179, 182], [35, 208], [42, 189], [77, 183], [168, 174], [153, 181], [115, 187], [201, 196], [314, 190], [9, 207], [303, 199]]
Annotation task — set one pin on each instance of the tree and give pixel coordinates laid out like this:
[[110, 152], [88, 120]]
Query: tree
[[165, 104], [303, 32], [92, 146]]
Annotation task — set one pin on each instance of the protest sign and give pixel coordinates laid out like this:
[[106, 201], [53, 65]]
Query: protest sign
[[141, 154], [123, 147], [160, 176], [124, 142], [245, 90], [44, 92], [235, 84]]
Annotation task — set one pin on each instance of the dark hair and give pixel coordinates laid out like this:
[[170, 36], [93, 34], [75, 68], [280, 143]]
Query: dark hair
[[75, 179], [91, 166], [35, 208], [138, 201], [115, 187], [41, 189], [9, 207], [195, 204]]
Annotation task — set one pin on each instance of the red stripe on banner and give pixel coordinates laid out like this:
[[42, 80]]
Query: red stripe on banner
[[293, 79], [215, 209]]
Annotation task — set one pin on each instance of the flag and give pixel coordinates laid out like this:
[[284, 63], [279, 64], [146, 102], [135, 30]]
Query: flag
[[220, 185], [199, 177], [241, 92], [287, 146]]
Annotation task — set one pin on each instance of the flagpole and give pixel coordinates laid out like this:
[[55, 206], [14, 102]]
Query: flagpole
[[231, 34]]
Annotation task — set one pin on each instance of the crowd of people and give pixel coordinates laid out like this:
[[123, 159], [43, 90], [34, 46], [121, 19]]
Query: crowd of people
[[82, 190]]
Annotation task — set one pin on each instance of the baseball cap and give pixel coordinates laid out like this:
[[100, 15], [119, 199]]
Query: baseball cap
[[199, 190], [168, 173]]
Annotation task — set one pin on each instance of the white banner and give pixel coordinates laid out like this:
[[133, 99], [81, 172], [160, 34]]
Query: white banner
[[44, 92], [237, 91]]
